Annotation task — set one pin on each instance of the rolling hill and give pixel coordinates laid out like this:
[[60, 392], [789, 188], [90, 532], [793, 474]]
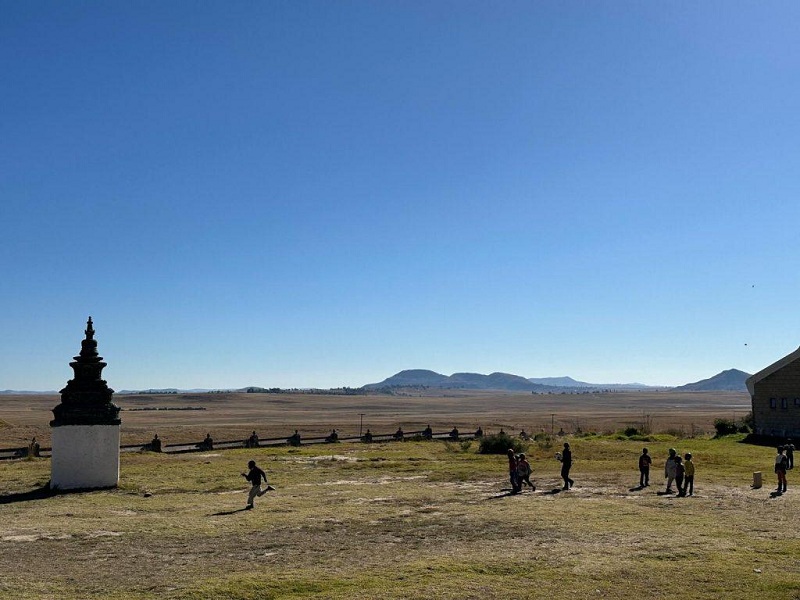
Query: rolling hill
[[732, 380]]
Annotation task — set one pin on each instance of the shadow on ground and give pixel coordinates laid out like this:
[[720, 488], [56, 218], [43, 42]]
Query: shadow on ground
[[229, 512], [39, 493]]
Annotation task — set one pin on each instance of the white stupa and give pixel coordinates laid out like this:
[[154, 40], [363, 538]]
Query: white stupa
[[86, 426]]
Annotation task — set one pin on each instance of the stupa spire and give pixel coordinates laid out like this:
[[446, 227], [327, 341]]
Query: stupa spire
[[86, 426], [86, 400]]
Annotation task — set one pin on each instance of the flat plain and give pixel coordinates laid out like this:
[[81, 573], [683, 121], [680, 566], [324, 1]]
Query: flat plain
[[234, 416], [404, 519]]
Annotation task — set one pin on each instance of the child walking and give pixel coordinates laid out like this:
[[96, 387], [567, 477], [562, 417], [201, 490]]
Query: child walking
[[254, 476], [781, 462], [688, 468], [680, 470], [644, 468], [516, 486], [524, 472], [669, 469]]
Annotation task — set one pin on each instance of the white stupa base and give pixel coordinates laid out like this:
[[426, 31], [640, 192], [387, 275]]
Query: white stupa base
[[84, 457]]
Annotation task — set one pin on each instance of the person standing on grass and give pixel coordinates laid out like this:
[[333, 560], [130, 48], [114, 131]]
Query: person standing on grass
[[688, 468], [680, 470], [566, 465], [781, 462], [669, 469], [790, 454], [512, 471], [524, 472], [254, 476], [645, 460]]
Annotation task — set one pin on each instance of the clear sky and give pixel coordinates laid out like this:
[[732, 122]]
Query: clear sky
[[319, 194]]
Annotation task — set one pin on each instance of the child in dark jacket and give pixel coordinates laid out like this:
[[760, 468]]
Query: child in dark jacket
[[680, 471], [254, 476], [688, 471], [644, 468]]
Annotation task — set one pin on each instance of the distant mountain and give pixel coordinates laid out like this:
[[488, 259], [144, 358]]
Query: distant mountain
[[413, 378], [560, 382], [732, 380], [160, 391], [463, 381], [24, 392], [569, 382], [497, 381]]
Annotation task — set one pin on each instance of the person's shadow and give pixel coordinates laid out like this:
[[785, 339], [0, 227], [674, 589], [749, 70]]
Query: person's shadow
[[638, 488], [228, 512], [505, 493], [39, 493], [775, 494]]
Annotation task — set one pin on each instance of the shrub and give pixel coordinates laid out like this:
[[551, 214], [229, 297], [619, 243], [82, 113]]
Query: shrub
[[544, 441], [631, 431], [499, 443], [676, 432], [462, 446], [724, 427]]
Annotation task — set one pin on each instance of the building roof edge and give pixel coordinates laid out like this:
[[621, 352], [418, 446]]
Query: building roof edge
[[767, 371]]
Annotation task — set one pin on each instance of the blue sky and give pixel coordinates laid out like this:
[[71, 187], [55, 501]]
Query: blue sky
[[303, 194]]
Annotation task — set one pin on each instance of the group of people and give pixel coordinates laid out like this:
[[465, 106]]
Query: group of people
[[676, 469], [519, 472]]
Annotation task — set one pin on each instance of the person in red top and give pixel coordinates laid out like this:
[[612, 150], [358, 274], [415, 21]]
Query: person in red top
[[524, 472], [254, 476]]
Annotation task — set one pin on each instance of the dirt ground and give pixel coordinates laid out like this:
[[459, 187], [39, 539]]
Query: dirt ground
[[410, 520], [234, 416]]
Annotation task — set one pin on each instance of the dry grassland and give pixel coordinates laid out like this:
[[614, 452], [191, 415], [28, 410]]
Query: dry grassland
[[234, 416], [404, 520]]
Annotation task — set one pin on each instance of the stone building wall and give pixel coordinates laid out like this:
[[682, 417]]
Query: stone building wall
[[776, 402]]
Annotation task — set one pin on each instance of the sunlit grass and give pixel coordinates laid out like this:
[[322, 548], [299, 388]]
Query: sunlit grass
[[400, 520]]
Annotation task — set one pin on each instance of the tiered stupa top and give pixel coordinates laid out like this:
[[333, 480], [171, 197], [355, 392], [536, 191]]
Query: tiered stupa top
[[87, 398]]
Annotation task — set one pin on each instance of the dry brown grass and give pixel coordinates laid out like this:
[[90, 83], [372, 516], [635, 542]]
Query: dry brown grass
[[233, 416], [404, 520]]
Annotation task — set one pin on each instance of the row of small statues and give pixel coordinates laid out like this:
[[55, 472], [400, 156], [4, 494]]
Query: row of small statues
[[294, 439]]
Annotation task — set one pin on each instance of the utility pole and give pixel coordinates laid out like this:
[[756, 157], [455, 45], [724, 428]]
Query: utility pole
[[360, 424], [552, 423]]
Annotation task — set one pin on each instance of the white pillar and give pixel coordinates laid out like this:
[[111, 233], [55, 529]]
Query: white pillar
[[85, 457]]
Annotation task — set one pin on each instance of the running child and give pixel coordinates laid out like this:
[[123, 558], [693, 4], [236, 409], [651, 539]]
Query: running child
[[254, 476]]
